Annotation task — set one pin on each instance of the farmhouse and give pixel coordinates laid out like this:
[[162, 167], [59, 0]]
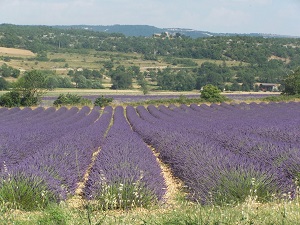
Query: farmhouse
[[269, 87]]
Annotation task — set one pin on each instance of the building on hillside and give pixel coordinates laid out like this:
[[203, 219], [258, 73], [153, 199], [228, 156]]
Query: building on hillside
[[269, 87]]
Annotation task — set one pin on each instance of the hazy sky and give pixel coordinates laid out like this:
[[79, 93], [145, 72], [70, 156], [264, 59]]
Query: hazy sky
[[232, 16]]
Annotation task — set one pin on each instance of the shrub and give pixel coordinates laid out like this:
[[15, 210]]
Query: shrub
[[29, 100], [292, 83], [26, 192], [97, 85], [71, 99], [3, 84], [11, 99], [31, 87], [236, 186], [16, 99], [211, 93], [124, 196], [53, 214], [103, 101]]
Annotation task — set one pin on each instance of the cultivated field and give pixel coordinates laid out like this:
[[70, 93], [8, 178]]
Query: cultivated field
[[198, 164], [15, 52], [62, 62]]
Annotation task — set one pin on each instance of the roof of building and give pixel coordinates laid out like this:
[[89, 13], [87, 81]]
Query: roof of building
[[268, 84]]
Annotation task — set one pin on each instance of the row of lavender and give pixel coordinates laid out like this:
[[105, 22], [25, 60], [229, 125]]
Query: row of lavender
[[226, 153], [126, 173], [223, 153], [45, 153]]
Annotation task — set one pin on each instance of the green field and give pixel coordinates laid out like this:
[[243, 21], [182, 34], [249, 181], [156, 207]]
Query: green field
[[178, 211], [91, 59]]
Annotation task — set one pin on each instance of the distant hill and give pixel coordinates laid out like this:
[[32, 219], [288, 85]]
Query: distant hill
[[148, 31]]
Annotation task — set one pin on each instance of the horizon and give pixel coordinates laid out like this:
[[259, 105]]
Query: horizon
[[183, 28], [216, 16]]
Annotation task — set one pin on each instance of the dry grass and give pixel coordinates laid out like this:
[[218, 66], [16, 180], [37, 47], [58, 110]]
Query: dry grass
[[15, 52]]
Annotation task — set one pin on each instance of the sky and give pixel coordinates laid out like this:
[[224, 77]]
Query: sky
[[220, 16]]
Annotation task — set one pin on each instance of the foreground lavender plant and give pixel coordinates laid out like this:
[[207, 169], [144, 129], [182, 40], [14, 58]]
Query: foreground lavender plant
[[223, 153], [29, 189], [126, 173], [53, 172], [188, 143]]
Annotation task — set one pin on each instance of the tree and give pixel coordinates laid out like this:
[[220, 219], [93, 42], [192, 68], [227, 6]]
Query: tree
[[15, 73], [141, 80], [8, 71], [292, 83], [42, 56], [235, 86], [71, 99], [211, 73], [103, 101], [184, 81], [80, 81], [180, 81], [121, 80], [144, 86], [5, 71], [64, 82], [108, 65], [211, 93], [96, 74], [134, 71], [3, 84], [31, 87], [51, 82]]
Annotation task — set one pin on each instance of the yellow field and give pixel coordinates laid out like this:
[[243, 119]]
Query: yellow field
[[15, 52]]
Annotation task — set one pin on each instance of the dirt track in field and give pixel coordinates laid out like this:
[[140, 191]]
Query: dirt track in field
[[15, 51]]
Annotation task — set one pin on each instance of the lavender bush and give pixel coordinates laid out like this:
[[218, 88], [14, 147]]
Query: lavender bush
[[29, 189], [53, 171], [224, 153], [126, 173], [187, 141]]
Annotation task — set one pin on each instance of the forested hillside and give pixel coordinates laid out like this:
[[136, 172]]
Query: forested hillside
[[258, 59]]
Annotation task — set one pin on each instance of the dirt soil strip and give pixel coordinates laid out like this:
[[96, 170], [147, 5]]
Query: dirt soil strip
[[174, 185], [77, 200], [15, 51]]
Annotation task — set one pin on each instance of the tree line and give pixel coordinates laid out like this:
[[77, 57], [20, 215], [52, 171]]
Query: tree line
[[252, 50], [229, 78], [266, 60]]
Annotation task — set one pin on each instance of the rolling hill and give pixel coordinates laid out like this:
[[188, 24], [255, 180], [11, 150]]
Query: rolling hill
[[148, 31]]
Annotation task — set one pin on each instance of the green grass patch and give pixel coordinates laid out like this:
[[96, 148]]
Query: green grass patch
[[25, 193], [182, 213], [235, 187], [124, 196], [281, 98], [177, 101]]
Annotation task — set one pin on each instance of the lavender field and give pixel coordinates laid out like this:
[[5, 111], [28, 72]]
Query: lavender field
[[223, 154], [123, 98]]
